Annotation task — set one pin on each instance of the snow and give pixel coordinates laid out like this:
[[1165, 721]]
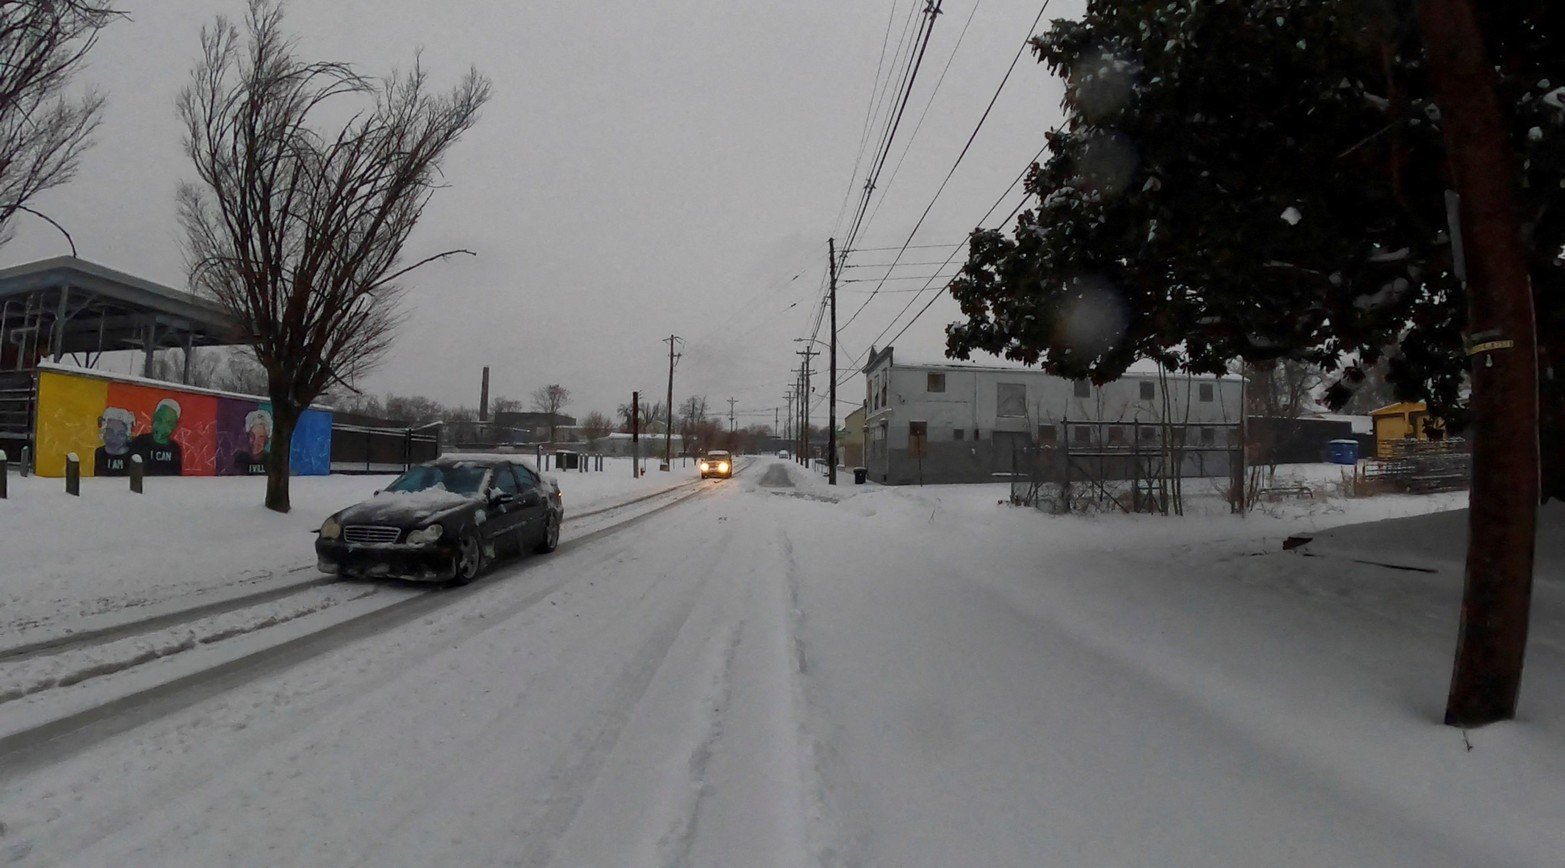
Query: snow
[[1291, 216], [73, 563], [778, 672]]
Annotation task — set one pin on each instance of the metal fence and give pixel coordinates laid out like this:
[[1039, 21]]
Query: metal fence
[[17, 396], [365, 449], [1128, 466]]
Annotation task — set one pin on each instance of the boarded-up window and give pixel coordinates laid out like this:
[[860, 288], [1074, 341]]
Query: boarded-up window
[[1048, 435], [1083, 389], [1148, 434], [1206, 391], [937, 383], [1116, 435], [1081, 435], [1148, 390], [1208, 436], [1010, 399], [917, 430], [957, 433]]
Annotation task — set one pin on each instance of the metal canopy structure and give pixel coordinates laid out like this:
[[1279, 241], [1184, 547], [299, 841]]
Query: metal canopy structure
[[68, 306]]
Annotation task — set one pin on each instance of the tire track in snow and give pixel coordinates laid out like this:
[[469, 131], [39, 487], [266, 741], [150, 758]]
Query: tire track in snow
[[826, 838], [577, 773], [676, 846]]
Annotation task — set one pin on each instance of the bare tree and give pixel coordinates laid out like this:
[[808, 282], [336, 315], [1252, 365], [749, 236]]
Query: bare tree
[[503, 405], [551, 399], [43, 131], [1284, 389], [300, 232], [596, 427]]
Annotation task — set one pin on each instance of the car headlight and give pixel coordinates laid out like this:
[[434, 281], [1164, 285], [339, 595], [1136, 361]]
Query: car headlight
[[331, 528], [704, 467], [425, 536], [723, 467]]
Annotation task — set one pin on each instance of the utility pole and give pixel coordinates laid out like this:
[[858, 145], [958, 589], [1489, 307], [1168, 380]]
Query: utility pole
[[731, 427], [1502, 343], [808, 354], [668, 435], [831, 430], [788, 427], [635, 434]]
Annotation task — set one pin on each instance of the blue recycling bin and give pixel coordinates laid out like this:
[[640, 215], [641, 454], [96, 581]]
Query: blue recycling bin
[[1343, 452]]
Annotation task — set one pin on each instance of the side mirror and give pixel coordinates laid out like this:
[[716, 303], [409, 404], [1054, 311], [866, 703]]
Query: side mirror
[[498, 497]]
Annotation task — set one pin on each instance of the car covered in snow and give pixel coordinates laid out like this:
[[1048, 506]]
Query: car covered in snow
[[444, 520], [716, 463]]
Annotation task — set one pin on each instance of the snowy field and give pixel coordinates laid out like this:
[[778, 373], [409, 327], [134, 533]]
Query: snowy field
[[775, 672]]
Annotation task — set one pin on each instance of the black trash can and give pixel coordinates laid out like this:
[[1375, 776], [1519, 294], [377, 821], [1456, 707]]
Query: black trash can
[[860, 474]]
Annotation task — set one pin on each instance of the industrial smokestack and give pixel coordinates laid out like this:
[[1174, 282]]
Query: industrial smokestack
[[483, 398]]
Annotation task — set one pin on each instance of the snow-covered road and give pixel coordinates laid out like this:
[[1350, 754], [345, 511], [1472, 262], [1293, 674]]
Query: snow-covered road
[[772, 673]]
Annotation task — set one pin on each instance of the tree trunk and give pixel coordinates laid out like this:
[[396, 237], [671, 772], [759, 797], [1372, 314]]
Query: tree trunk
[[1503, 504], [278, 466]]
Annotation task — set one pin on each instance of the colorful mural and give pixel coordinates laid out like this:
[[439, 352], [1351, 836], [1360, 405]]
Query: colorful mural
[[176, 431]]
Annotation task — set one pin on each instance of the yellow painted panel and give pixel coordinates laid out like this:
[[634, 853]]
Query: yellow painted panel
[[68, 411]]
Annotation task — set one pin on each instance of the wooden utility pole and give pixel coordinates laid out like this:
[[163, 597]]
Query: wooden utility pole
[[635, 434], [788, 426], [731, 427], [668, 435], [1503, 503], [808, 354], [831, 430]]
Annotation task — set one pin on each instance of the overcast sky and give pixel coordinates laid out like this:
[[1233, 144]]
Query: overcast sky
[[642, 169]]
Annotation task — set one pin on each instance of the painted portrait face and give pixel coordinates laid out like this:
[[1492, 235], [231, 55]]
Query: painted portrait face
[[164, 421], [116, 436], [258, 438]]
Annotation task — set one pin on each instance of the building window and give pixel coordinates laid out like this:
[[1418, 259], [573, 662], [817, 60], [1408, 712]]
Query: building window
[[937, 383], [1148, 390], [1048, 435], [1116, 435], [1206, 393], [918, 430], [1010, 399], [1147, 433], [1208, 436], [1083, 389], [884, 383], [1081, 435], [977, 434], [957, 433]]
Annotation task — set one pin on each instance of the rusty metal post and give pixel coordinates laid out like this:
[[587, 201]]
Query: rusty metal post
[[5, 474], [137, 471], [73, 475]]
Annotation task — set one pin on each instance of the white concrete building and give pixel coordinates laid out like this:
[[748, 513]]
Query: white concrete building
[[969, 421]]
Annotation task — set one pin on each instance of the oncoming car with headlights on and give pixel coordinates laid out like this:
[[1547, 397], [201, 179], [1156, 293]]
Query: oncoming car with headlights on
[[717, 463], [445, 520]]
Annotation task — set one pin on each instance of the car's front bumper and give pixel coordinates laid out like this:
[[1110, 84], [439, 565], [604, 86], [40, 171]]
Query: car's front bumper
[[432, 563]]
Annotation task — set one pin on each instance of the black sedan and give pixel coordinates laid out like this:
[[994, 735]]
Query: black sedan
[[444, 521]]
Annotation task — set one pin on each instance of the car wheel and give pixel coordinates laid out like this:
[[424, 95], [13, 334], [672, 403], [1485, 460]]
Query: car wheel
[[551, 535], [469, 559]]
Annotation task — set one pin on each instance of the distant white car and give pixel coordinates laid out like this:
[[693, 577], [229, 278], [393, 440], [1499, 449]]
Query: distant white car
[[783, 453]]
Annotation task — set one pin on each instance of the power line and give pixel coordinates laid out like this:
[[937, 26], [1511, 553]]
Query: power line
[[925, 113], [992, 208], [872, 108], [965, 148], [926, 31]]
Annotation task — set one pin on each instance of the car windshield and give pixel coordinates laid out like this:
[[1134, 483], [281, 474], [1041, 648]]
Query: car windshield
[[460, 479]]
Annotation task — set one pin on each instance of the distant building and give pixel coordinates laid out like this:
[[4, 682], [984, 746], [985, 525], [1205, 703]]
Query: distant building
[[967, 423], [850, 440], [527, 426]]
